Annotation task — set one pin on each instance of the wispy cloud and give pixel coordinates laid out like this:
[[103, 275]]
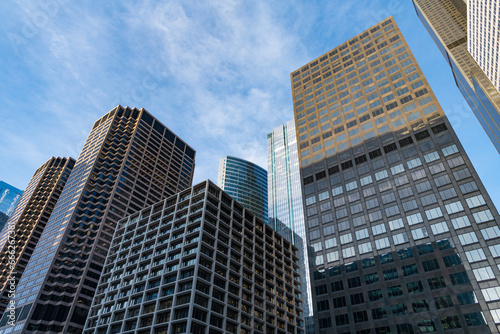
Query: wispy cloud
[[216, 72]]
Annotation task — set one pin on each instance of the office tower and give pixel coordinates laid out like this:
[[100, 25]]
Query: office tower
[[129, 161], [483, 34], [286, 214], [245, 182], [28, 221], [403, 235], [198, 262], [9, 196], [446, 22]]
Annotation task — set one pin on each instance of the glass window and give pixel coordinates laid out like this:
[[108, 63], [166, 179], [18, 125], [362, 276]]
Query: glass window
[[483, 274], [467, 238]]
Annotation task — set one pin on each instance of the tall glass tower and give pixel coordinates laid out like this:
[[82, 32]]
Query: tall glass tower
[[403, 235], [28, 221], [286, 214], [129, 161], [446, 22], [9, 196], [246, 182]]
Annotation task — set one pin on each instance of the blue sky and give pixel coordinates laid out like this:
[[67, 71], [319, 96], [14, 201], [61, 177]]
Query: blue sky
[[215, 72]]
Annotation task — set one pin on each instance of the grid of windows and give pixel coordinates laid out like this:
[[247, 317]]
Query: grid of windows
[[203, 263], [406, 203]]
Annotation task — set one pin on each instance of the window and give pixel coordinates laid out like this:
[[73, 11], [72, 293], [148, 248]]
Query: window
[[483, 274], [482, 216], [395, 291], [378, 229], [454, 207], [400, 238], [375, 295], [433, 213], [491, 233], [459, 278], [475, 201], [467, 238], [439, 228], [430, 265], [460, 222]]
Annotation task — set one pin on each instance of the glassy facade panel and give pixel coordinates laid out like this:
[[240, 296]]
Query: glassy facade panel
[[246, 182], [286, 214], [9, 196]]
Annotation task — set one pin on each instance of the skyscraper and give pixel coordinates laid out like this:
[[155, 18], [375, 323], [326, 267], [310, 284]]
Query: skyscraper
[[129, 161], [446, 22], [286, 214], [403, 235], [28, 221], [483, 34], [198, 262], [245, 182]]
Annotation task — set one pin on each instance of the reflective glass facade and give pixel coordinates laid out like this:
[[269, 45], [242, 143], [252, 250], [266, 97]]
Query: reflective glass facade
[[129, 161], [9, 196], [28, 221], [446, 22], [403, 236], [286, 214], [245, 182], [198, 262]]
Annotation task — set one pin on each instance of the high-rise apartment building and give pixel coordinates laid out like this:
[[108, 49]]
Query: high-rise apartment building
[[9, 196], [27, 222], [198, 262], [286, 213], [129, 161], [246, 182], [403, 235], [446, 22], [483, 36]]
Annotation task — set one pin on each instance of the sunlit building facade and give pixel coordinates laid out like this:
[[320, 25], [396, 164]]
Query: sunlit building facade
[[286, 214], [446, 22], [28, 220], [246, 182], [483, 36], [198, 262], [129, 161], [403, 236]]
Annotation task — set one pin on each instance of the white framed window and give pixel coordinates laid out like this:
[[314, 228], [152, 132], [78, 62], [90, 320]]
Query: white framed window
[[439, 228]]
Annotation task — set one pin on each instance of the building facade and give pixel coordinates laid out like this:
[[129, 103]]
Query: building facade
[[446, 22], [9, 196], [246, 182], [129, 161], [198, 262], [403, 235], [483, 34], [286, 213], [28, 221]]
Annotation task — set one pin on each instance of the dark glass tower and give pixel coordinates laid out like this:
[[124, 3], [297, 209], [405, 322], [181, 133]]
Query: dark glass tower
[[198, 262], [28, 221], [129, 161], [246, 182], [403, 235]]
